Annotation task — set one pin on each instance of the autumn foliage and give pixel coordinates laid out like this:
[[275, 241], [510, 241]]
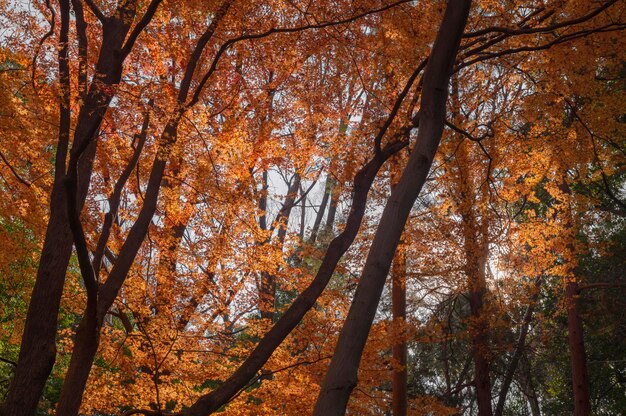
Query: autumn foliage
[[195, 192]]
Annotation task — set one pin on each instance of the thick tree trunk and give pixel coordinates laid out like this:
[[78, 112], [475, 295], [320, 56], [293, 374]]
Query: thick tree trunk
[[580, 378], [38, 346], [38, 349], [342, 373]]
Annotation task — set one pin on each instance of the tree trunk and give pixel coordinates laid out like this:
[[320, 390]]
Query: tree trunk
[[363, 180], [399, 403], [526, 383], [399, 348], [320, 213], [86, 346], [332, 207], [482, 381], [580, 379], [267, 288], [519, 350], [342, 372], [38, 346], [476, 254]]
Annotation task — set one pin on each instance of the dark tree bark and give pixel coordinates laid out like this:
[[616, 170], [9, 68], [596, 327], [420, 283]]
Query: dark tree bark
[[38, 349], [580, 377], [342, 373], [480, 354], [101, 298], [476, 248]]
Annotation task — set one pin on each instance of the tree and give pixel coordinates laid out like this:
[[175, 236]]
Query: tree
[[217, 173]]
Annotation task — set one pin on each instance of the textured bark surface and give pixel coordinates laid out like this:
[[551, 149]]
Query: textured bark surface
[[342, 373]]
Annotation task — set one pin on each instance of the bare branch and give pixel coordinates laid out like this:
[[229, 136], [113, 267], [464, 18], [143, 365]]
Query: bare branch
[[14, 172]]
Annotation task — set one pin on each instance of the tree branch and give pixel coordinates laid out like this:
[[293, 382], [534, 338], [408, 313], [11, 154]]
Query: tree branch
[[233, 41], [141, 25], [114, 200], [96, 11], [13, 171], [526, 31]]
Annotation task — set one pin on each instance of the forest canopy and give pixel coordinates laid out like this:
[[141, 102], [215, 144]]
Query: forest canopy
[[289, 207]]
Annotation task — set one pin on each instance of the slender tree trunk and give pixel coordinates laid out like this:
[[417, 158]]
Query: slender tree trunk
[[99, 303], [518, 352], [320, 213], [399, 402], [482, 380], [302, 214], [332, 207], [399, 349], [580, 378], [342, 373], [267, 288], [87, 341], [526, 382], [476, 254]]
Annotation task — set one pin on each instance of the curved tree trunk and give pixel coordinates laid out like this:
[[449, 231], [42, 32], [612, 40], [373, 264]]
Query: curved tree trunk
[[342, 373], [211, 402], [38, 346]]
